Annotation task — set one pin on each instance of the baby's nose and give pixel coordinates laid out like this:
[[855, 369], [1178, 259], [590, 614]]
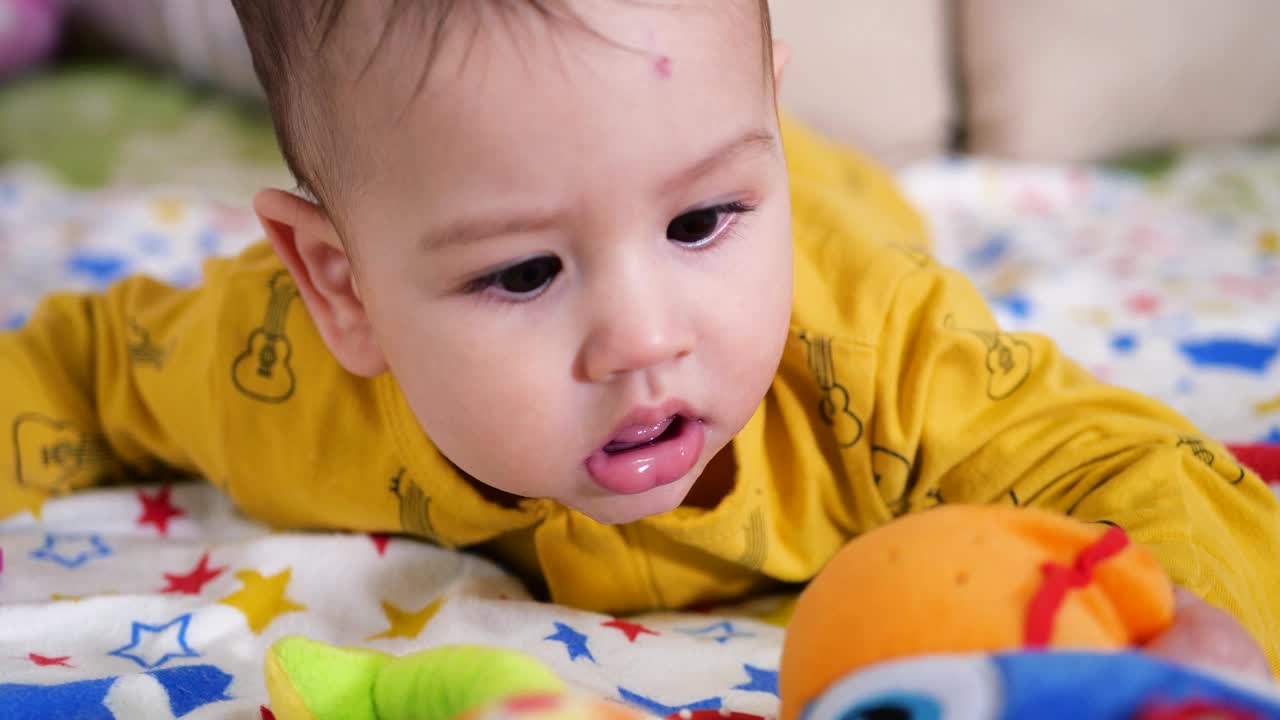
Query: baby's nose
[[634, 335]]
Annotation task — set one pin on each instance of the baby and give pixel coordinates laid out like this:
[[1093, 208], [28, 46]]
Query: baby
[[552, 291]]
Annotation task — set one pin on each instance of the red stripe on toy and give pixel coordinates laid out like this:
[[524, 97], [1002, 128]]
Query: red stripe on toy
[[1059, 580], [1262, 459], [1196, 710]]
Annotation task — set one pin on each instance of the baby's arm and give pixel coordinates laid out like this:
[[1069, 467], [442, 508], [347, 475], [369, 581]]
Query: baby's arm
[[994, 417], [111, 386]]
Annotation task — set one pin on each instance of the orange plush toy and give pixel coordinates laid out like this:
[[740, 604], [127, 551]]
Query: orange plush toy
[[993, 585]]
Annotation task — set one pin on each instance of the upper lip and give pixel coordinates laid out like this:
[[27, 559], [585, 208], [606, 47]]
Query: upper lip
[[651, 415]]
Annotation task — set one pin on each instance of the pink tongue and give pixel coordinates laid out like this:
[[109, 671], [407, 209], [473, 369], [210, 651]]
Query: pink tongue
[[635, 435]]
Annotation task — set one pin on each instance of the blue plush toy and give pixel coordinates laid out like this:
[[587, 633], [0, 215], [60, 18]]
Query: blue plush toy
[[1041, 686]]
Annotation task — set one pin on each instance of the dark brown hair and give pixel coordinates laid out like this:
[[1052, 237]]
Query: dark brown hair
[[287, 39]]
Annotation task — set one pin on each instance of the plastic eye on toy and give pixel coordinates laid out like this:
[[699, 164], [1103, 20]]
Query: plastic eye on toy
[[931, 688]]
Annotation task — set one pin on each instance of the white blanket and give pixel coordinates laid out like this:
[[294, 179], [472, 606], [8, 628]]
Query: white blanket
[[158, 603]]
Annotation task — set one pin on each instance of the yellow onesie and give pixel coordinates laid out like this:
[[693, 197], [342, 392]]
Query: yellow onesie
[[896, 393]]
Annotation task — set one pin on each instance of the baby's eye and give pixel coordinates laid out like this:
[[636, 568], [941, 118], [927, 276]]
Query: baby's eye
[[522, 281], [699, 227]]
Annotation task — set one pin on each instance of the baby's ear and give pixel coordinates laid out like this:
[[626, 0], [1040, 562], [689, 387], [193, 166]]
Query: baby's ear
[[307, 242], [781, 56]]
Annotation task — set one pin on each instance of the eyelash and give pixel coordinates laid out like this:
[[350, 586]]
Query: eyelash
[[733, 210], [484, 283]]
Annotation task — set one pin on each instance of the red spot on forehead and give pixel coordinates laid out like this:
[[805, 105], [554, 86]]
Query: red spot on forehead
[[662, 66]]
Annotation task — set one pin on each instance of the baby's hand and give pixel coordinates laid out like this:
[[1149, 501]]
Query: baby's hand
[[1202, 634]]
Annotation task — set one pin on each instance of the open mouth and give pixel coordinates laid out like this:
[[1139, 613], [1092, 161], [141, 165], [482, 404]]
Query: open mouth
[[647, 454], [645, 436]]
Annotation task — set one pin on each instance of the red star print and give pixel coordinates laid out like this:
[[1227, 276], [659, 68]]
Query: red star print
[[1144, 303], [42, 661], [630, 629], [194, 581], [1122, 266], [265, 713], [157, 510], [380, 541]]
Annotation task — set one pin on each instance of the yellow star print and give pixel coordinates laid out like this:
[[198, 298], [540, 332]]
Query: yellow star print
[[1268, 407], [168, 211], [262, 600], [1269, 242], [407, 624]]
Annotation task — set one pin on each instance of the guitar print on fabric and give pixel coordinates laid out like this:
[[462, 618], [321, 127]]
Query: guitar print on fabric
[[833, 407], [1009, 359], [56, 456], [262, 371]]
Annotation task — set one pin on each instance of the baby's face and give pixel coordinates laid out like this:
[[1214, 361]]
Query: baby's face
[[577, 257]]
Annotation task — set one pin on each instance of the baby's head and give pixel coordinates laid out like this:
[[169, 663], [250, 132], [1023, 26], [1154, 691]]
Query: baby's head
[[563, 225]]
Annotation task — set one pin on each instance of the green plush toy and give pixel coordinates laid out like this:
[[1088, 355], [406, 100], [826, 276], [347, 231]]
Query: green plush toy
[[310, 680]]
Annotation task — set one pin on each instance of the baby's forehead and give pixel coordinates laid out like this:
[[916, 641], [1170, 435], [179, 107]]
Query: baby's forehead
[[418, 85], [412, 40]]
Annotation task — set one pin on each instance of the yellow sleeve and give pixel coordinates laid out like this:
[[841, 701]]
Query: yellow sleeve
[[105, 387], [992, 417], [229, 381]]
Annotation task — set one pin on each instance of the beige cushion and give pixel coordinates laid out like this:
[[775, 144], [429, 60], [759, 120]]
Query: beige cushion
[[202, 37], [873, 73], [1090, 79], [868, 72]]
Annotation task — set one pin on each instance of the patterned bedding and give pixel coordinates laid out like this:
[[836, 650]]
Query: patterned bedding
[[159, 601], [1162, 276]]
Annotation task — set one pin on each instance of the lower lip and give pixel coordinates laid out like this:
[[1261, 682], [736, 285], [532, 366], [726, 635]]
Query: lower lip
[[645, 468]]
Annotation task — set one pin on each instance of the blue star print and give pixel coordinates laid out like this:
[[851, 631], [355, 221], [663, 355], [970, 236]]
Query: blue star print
[[102, 268], [1241, 354], [1273, 436], [71, 551], [574, 641], [182, 623], [1124, 343], [661, 710], [188, 687], [765, 681], [1016, 305], [712, 632]]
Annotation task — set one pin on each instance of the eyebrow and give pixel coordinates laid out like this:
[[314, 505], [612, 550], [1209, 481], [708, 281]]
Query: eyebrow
[[755, 139], [468, 230]]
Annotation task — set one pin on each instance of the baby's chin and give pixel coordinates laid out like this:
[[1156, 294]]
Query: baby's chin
[[621, 509]]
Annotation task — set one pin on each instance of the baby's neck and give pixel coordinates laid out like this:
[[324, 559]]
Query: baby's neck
[[715, 482]]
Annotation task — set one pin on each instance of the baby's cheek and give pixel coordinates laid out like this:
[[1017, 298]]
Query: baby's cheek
[[497, 416]]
